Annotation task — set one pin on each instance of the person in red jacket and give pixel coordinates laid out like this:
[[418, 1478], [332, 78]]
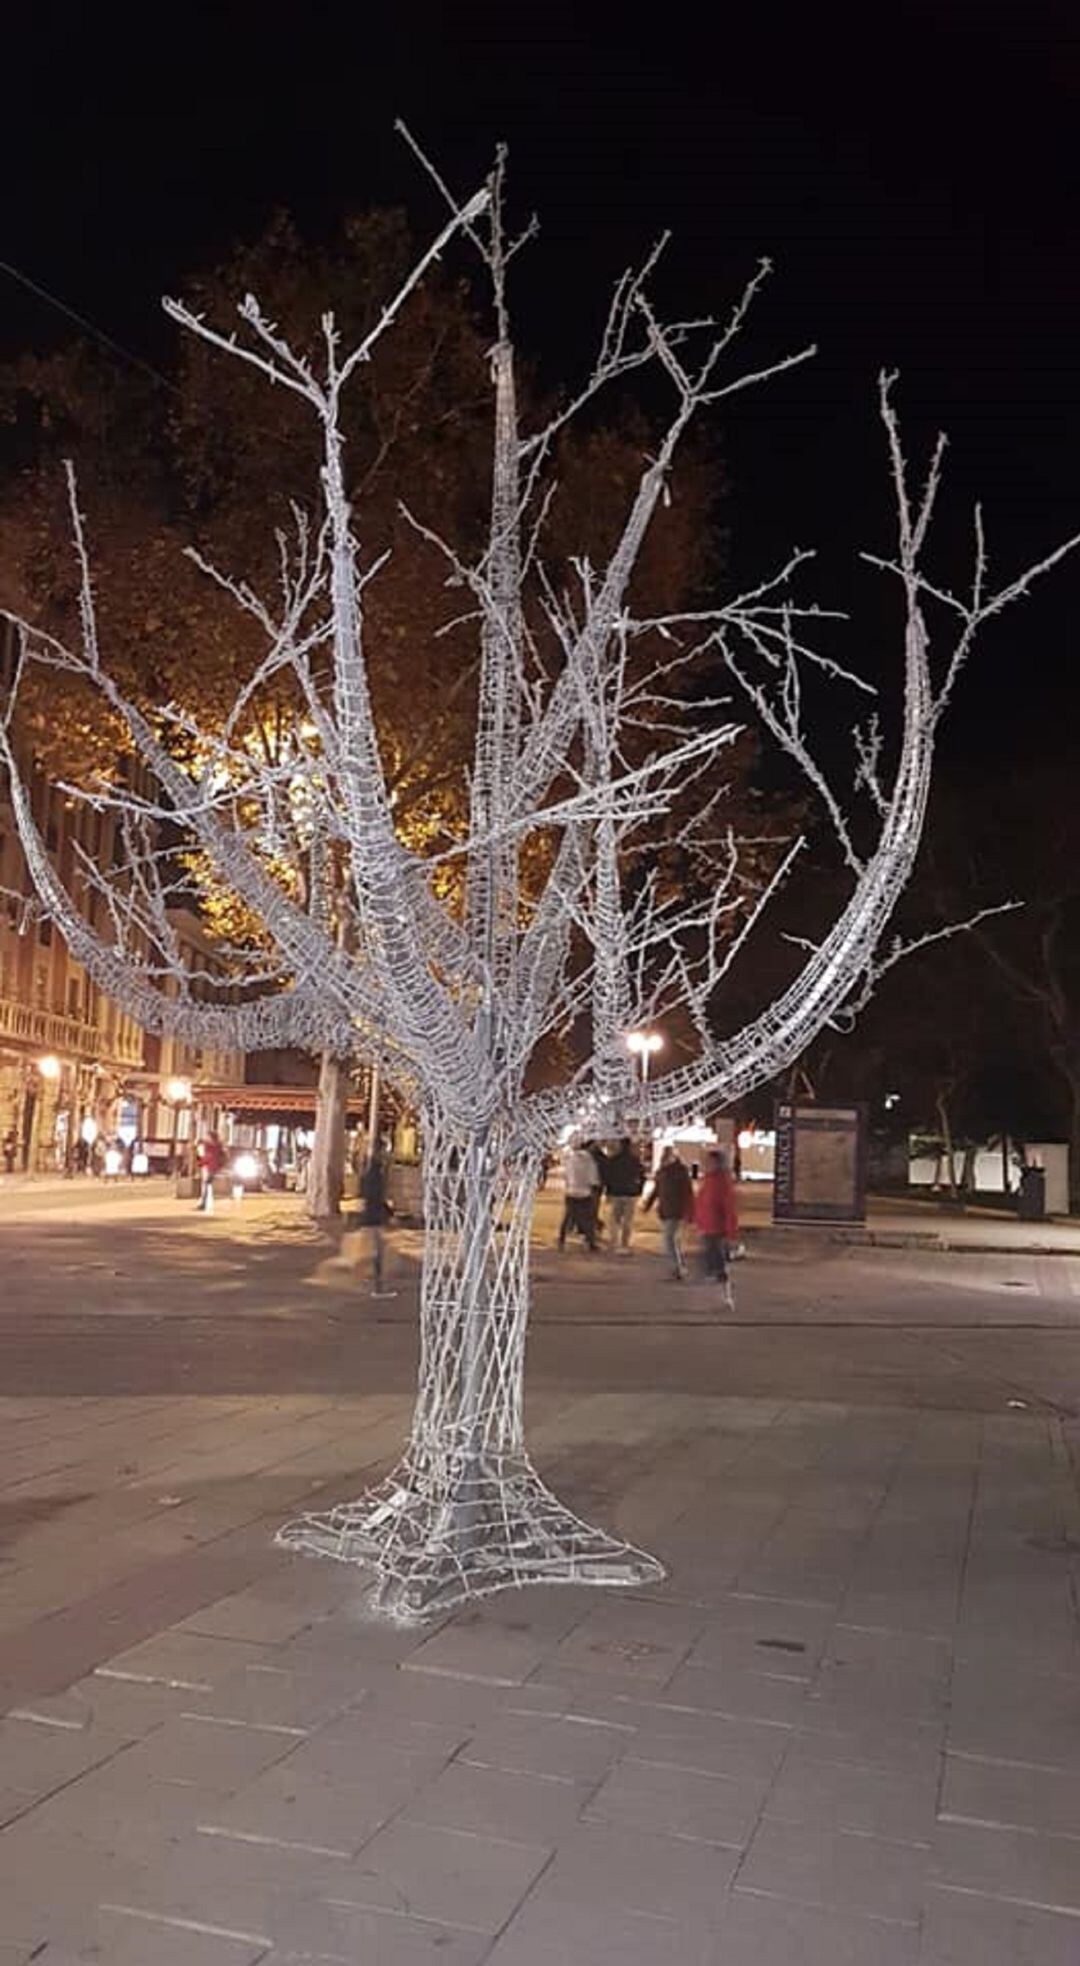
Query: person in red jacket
[[211, 1155], [716, 1218]]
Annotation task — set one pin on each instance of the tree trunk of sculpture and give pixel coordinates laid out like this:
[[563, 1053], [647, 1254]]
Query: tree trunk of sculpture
[[464, 1512]]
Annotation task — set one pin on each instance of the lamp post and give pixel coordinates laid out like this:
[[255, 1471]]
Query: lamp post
[[644, 1045], [178, 1094], [51, 1072]]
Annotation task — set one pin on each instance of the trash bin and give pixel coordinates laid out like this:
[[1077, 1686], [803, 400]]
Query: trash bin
[[1031, 1200]]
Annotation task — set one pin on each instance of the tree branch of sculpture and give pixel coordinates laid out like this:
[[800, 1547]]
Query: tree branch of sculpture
[[592, 734]]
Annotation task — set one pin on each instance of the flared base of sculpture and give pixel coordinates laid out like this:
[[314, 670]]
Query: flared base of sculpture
[[431, 1544]]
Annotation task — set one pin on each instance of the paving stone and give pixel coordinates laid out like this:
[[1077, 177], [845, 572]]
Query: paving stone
[[242, 1889], [104, 1812], [1005, 1794], [253, 1615], [926, 1613], [124, 1941], [593, 1692], [37, 1759], [907, 1652], [1028, 1868], [384, 1939], [494, 1802], [494, 1656], [526, 1744], [744, 1750], [14, 1803], [638, 1795], [877, 1692], [210, 1754], [896, 1803], [779, 1656], [816, 1865], [182, 1659], [333, 1818], [1010, 1733], [885, 1740], [549, 1933], [763, 1615], [456, 1705], [325, 1932], [967, 1929], [360, 1744], [124, 1708], [759, 1931], [755, 1695], [49, 1887], [635, 1871], [633, 1639], [470, 1881], [268, 1695]]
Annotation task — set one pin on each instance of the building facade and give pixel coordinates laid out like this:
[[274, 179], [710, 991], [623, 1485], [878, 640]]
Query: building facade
[[76, 1070]]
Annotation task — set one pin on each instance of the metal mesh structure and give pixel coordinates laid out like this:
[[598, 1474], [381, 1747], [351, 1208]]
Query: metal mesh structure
[[590, 731], [465, 1513]]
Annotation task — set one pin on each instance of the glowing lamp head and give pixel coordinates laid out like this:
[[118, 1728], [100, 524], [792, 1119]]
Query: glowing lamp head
[[178, 1092], [49, 1066], [245, 1167], [644, 1043]]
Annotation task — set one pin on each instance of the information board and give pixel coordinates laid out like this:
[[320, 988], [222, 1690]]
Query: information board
[[820, 1166]]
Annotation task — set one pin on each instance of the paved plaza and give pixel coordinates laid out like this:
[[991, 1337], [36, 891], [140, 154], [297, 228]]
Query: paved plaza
[[844, 1732]]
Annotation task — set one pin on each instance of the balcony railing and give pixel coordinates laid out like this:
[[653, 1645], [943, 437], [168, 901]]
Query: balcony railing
[[51, 1030]]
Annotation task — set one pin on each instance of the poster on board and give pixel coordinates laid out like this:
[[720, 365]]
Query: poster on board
[[820, 1164]]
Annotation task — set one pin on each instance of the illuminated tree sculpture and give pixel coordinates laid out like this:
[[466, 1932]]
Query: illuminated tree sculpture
[[584, 744]]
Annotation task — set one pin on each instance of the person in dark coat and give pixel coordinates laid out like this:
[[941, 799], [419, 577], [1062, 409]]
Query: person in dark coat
[[624, 1178], [374, 1215], [673, 1197]]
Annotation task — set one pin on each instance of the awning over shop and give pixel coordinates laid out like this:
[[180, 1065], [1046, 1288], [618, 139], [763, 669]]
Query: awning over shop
[[261, 1102]]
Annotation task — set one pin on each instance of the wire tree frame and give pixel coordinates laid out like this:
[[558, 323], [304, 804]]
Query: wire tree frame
[[590, 747]]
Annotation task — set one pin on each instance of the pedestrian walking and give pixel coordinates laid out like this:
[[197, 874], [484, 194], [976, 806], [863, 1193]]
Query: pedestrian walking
[[624, 1178], [10, 1146], [716, 1217], [374, 1216], [211, 1154], [673, 1197], [581, 1180], [599, 1187]]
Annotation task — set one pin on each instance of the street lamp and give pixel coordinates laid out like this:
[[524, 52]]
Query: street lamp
[[644, 1044], [51, 1071], [178, 1094]]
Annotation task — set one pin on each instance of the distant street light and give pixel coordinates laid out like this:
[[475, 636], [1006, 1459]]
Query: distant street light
[[178, 1094], [643, 1044]]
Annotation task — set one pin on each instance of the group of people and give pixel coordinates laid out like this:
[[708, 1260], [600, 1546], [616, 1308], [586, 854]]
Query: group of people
[[709, 1205], [589, 1174]]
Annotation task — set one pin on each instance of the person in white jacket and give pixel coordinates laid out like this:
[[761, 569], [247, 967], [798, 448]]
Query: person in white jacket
[[581, 1177]]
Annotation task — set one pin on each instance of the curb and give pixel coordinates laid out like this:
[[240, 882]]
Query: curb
[[931, 1241]]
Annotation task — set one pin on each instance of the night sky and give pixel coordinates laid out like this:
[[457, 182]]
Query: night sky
[[915, 179]]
